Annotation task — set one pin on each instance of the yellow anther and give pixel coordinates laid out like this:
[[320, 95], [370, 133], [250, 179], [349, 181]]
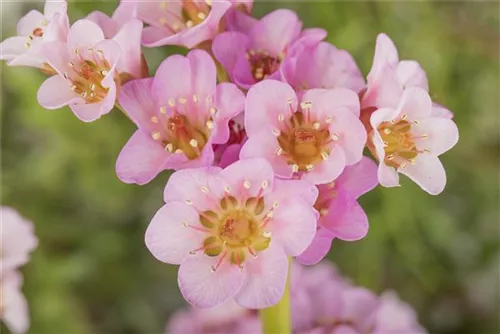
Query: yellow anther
[[156, 135]]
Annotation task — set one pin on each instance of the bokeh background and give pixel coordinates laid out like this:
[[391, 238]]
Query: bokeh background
[[92, 273]]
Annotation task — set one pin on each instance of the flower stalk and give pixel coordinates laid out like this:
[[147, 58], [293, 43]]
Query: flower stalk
[[276, 319]]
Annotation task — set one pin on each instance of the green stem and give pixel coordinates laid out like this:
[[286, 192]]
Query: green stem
[[276, 319]]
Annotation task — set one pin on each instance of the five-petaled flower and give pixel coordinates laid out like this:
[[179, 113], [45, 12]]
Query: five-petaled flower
[[178, 120], [33, 31], [257, 54], [90, 68], [314, 139], [232, 231]]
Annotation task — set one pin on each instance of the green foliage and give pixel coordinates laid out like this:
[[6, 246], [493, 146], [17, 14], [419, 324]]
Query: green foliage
[[92, 273]]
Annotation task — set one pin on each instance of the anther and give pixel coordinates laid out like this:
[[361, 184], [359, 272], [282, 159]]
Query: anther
[[27, 45], [335, 137], [156, 135], [204, 190], [77, 51], [387, 131], [71, 64], [329, 120], [163, 21], [246, 184], [201, 15], [182, 100], [266, 234], [390, 157], [404, 165], [295, 168], [227, 189], [176, 26], [324, 155], [265, 184], [92, 86], [212, 110], [416, 122], [189, 24], [289, 100], [178, 151], [403, 117], [316, 125], [281, 117], [309, 167], [169, 147], [323, 212], [154, 119], [84, 94], [73, 87], [275, 204], [189, 202], [276, 132], [104, 72], [279, 151], [163, 5], [171, 102], [210, 125], [163, 110], [195, 98], [193, 143]]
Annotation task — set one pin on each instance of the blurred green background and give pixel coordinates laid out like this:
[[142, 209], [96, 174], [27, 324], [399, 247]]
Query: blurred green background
[[92, 273]]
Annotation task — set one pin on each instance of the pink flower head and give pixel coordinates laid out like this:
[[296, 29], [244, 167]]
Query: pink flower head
[[408, 139], [178, 120], [322, 65], [90, 67], [232, 231], [226, 318], [13, 305], [314, 138], [33, 31], [389, 76], [18, 240], [396, 317], [183, 22], [252, 56], [341, 215]]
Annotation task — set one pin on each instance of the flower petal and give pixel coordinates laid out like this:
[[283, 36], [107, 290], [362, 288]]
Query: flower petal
[[427, 172], [411, 74], [227, 47], [265, 101], [441, 134], [89, 112], [294, 188], [293, 225], [107, 24], [167, 236], [53, 7], [84, 34], [135, 98], [326, 101], [56, 54], [55, 93], [202, 287], [360, 178], [140, 160], [266, 278], [387, 176], [203, 72], [384, 91], [188, 186], [129, 40], [318, 248], [230, 101], [415, 103], [164, 88], [386, 54]]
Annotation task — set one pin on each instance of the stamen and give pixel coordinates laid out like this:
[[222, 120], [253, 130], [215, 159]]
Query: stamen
[[403, 117], [156, 135], [154, 119], [210, 125], [316, 125], [276, 132], [387, 131], [246, 184], [309, 167], [178, 151], [281, 117], [335, 137], [182, 100], [324, 155], [329, 120], [204, 190], [193, 143], [195, 98], [289, 100], [252, 252], [163, 5], [188, 201], [201, 15], [227, 189], [213, 110], [163, 110], [217, 265], [279, 151], [323, 212], [171, 102], [295, 168], [169, 147], [189, 24], [264, 184]]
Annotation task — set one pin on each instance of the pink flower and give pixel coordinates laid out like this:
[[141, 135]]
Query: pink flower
[[314, 139], [322, 65], [341, 215], [408, 139], [13, 305], [18, 240], [396, 317], [178, 120], [186, 23], [232, 231], [33, 31], [89, 68], [389, 76], [227, 318], [249, 57]]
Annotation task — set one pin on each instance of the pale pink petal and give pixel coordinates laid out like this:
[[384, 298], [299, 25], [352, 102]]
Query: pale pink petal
[[164, 88], [294, 188], [344, 329], [239, 21], [84, 34], [386, 54], [346, 219], [52, 7], [383, 115], [351, 135], [107, 24], [384, 91], [441, 134], [427, 172], [266, 278], [227, 47], [242, 72], [89, 112], [135, 97], [293, 225], [112, 53], [141, 159], [180, 161], [15, 311], [245, 177], [360, 178], [360, 306], [58, 28], [192, 186], [265, 101], [203, 72], [230, 155], [440, 111], [167, 236], [264, 145], [202, 287], [275, 31], [387, 176], [328, 170], [151, 36], [318, 248], [326, 101], [411, 74], [57, 56], [230, 101], [125, 11], [415, 103], [129, 40], [55, 93], [13, 47]]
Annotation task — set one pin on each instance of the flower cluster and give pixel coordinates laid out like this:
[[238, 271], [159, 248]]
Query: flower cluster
[[264, 123], [17, 241], [322, 302]]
